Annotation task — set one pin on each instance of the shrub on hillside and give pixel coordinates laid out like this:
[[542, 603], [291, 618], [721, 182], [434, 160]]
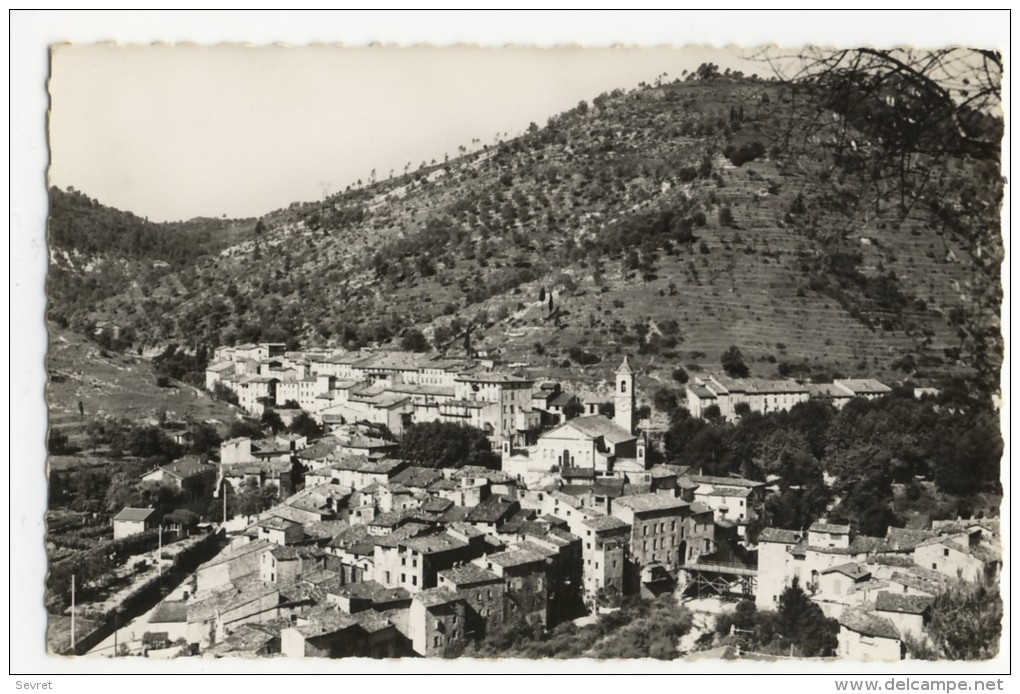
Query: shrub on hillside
[[744, 153]]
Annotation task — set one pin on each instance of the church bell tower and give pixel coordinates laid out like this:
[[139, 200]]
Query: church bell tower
[[623, 397]]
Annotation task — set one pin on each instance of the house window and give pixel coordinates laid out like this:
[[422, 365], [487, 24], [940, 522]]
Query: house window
[[403, 578], [414, 580], [623, 386], [945, 552], [934, 566]]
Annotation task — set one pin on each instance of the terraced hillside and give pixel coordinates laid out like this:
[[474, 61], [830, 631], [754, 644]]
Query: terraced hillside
[[111, 384], [668, 222]]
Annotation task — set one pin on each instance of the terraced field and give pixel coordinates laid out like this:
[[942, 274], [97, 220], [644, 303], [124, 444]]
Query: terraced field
[[631, 212], [111, 384]]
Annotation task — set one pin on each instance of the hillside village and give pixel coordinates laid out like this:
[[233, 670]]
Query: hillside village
[[698, 370], [359, 552]]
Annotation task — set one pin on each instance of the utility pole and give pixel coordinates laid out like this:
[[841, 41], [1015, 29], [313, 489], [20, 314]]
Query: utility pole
[[734, 631], [159, 551], [72, 615]]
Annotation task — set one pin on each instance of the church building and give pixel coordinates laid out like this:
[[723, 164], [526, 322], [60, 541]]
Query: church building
[[607, 447]]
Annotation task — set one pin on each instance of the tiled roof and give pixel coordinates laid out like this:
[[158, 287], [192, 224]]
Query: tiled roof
[[372, 622], [851, 569], [231, 553], [863, 544], [577, 473], [863, 622], [699, 507], [863, 385], [433, 543], [418, 477], [903, 604], [595, 426], [371, 590], [491, 510], [905, 539], [134, 514], [515, 557], [318, 450], [899, 560], [780, 535], [730, 491], [921, 583], [494, 476], [277, 523], [562, 399], [650, 502], [433, 597], [325, 621], [227, 600], [454, 514], [468, 574], [319, 576], [245, 640], [725, 481], [663, 471], [831, 528], [389, 519], [285, 553], [355, 539], [601, 522], [434, 504], [700, 392], [186, 467], [170, 611], [686, 483], [463, 529], [492, 377]]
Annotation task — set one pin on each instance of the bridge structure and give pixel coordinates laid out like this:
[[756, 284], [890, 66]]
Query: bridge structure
[[710, 577]]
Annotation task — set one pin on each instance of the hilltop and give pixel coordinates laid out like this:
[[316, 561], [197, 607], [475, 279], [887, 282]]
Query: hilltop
[[98, 253], [668, 222]]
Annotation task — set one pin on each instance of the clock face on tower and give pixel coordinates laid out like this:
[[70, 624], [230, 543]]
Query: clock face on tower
[[624, 405]]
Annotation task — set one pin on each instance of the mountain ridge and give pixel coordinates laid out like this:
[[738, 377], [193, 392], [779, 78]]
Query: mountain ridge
[[687, 203]]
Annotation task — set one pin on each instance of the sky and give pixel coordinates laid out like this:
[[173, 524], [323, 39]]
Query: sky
[[172, 133]]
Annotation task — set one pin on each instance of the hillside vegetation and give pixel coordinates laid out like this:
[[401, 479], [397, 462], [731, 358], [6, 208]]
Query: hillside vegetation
[[668, 222], [114, 385]]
